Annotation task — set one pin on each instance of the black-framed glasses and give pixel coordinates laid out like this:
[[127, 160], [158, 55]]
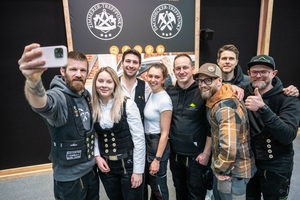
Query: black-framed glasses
[[207, 81], [264, 73]]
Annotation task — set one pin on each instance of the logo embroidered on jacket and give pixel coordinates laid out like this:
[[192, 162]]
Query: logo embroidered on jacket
[[192, 106]]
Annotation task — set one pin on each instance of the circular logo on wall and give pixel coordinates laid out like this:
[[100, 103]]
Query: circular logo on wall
[[166, 21], [104, 21], [160, 49], [125, 48], [114, 50], [149, 49]]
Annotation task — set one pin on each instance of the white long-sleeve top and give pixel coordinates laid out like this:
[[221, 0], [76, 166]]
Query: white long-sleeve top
[[136, 130]]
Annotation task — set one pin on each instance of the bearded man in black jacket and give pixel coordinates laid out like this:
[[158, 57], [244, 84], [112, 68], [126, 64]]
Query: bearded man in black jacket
[[274, 119]]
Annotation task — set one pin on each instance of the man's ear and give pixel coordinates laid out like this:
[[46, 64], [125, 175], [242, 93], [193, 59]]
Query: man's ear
[[62, 71], [275, 72]]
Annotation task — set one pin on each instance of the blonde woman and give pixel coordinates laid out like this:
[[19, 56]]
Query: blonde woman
[[120, 141], [157, 119]]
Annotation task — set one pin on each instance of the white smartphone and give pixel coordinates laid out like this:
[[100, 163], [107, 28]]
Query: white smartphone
[[55, 56]]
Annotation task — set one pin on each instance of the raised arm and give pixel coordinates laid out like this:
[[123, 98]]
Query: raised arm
[[34, 89]]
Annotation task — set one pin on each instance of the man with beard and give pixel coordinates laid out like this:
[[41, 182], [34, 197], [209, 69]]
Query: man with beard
[[228, 61], [66, 109], [232, 158], [274, 119]]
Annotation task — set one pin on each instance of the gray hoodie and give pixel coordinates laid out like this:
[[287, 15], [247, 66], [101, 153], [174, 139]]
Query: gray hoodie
[[56, 113]]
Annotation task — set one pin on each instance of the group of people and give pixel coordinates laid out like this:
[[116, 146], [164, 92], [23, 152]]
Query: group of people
[[251, 139], [127, 130]]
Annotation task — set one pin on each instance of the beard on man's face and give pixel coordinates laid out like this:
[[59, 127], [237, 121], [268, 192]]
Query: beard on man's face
[[76, 84], [261, 86], [208, 93]]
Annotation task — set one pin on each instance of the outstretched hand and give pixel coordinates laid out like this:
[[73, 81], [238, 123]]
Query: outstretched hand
[[253, 103], [28, 66]]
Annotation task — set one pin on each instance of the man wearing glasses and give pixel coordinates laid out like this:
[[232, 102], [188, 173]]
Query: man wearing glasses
[[274, 119], [232, 157]]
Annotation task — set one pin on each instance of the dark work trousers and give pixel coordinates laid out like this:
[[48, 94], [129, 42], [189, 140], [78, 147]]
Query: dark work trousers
[[215, 189], [273, 186], [84, 188], [146, 178], [188, 177], [158, 181], [117, 182]]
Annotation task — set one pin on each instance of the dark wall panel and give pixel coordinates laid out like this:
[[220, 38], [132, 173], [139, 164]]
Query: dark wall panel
[[233, 22], [24, 136], [285, 42]]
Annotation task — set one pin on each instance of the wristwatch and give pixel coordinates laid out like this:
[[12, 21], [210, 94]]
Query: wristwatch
[[157, 158], [263, 108]]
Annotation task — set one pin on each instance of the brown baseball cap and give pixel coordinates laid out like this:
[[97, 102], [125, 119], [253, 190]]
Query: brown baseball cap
[[210, 69]]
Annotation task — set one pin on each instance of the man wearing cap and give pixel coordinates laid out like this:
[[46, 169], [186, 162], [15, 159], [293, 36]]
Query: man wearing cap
[[274, 119], [232, 157], [228, 61]]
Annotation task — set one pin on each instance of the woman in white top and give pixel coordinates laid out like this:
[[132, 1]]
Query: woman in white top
[[120, 141], [157, 119]]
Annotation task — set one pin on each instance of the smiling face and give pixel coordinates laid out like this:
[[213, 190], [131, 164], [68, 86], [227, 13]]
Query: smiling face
[[75, 74], [261, 77], [208, 90], [131, 65], [156, 78], [227, 61], [183, 71], [105, 86]]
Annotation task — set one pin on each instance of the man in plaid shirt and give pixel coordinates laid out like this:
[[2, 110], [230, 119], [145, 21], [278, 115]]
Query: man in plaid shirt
[[233, 161]]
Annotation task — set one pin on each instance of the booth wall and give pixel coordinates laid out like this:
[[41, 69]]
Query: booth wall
[[24, 137]]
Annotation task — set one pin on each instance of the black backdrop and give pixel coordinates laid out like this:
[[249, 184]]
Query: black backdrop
[[24, 137]]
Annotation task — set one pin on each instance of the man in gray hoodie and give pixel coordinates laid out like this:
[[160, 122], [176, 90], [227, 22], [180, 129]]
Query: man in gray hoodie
[[66, 110]]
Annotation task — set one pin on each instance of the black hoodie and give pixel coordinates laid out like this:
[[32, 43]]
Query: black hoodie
[[240, 79], [189, 126], [278, 124]]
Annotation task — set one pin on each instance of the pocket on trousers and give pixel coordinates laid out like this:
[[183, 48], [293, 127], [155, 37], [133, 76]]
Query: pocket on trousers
[[239, 186], [224, 186]]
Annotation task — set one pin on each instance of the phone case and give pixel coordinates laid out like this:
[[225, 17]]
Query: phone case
[[55, 56]]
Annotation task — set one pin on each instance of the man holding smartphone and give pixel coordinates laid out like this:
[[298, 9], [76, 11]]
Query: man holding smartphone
[[66, 109]]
